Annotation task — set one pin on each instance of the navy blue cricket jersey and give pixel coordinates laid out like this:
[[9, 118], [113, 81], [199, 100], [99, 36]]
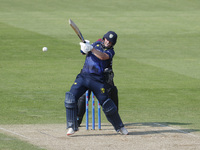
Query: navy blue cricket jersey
[[94, 65]]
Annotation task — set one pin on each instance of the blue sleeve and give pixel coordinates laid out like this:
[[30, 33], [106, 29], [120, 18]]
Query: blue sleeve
[[110, 52]]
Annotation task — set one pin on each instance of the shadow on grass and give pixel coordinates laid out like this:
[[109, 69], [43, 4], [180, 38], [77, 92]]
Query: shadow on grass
[[167, 125]]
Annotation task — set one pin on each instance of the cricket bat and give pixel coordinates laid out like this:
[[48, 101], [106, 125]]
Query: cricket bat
[[76, 29]]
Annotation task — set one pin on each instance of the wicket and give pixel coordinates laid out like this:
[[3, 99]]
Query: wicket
[[93, 112]]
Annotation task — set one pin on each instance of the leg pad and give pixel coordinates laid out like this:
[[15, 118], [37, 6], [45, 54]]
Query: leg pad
[[112, 115], [71, 111]]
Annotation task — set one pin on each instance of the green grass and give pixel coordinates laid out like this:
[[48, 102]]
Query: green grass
[[156, 63]]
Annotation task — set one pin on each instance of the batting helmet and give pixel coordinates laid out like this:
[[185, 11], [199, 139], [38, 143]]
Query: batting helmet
[[111, 36]]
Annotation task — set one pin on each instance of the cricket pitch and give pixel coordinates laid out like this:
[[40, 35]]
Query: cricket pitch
[[148, 136]]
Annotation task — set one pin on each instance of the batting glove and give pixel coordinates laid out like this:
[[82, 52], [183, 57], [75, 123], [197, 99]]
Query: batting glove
[[86, 47], [87, 41]]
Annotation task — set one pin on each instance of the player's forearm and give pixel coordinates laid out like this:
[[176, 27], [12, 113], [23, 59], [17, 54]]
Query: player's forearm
[[99, 54]]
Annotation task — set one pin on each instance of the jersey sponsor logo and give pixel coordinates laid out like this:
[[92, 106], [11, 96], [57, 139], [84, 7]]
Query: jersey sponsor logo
[[102, 90]]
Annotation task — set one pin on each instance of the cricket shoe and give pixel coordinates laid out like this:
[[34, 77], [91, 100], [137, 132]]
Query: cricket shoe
[[70, 131], [123, 131]]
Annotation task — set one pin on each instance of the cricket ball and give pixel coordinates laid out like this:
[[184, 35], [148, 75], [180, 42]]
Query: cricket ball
[[44, 49]]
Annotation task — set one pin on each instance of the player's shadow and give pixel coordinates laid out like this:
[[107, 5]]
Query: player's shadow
[[144, 128], [152, 128]]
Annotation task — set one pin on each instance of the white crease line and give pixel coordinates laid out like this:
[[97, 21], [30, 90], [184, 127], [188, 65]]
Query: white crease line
[[181, 131], [14, 133]]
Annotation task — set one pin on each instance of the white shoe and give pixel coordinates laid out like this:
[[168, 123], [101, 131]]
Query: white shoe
[[123, 131], [70, 131]]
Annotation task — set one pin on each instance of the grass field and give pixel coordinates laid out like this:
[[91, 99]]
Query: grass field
[[156, 63]]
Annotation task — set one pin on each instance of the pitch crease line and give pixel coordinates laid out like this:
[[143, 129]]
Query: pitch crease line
[[14, 133]]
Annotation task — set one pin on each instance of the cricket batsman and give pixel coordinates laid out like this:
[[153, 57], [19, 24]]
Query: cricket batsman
[[99, 56]]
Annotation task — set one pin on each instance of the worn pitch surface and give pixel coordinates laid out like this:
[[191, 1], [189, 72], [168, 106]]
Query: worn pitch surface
[[141, 136]]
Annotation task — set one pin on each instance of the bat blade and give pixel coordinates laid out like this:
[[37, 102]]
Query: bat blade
[[77, 31]]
